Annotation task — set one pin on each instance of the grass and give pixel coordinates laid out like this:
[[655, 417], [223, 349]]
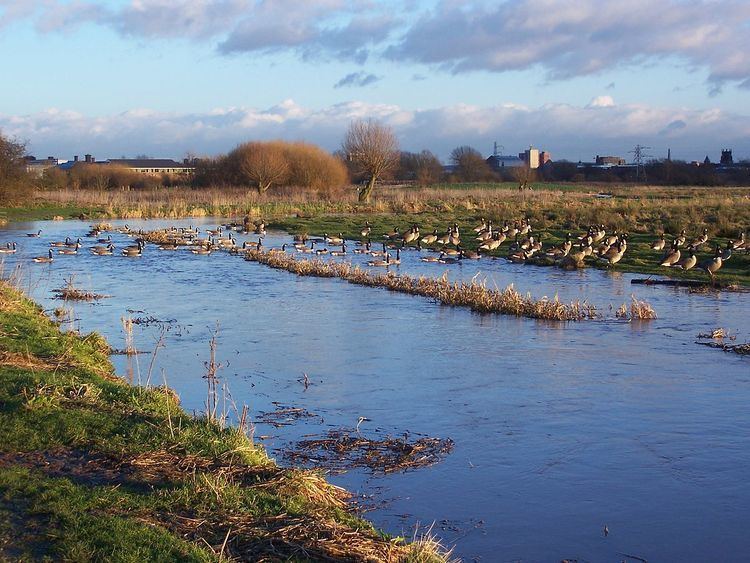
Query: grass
[[92, 468]]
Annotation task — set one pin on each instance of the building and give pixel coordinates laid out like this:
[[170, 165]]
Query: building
[[609, 161], [37, 167], [531, 157], [726, 158], [498, 162], [153, 166]]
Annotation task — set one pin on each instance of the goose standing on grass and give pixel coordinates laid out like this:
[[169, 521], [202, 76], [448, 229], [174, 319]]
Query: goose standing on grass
[[412, 235], [493, 243], [659, 243], [44, 259], [689, 261], [366, 230], [615, 253], [680, 239], [430, 239], [740, 243], [446, 238], [672, 256], [35, 235], [701, 240], [713, 265], [10, 248]]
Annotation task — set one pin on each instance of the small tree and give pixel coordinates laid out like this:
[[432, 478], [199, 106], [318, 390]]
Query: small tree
[[14, 182], [264, 164], [423, 167], [373, 148]]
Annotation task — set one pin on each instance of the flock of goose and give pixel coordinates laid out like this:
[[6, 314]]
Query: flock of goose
[[446, 247]]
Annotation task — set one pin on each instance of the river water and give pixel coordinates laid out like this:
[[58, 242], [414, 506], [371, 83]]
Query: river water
[[559, 428]]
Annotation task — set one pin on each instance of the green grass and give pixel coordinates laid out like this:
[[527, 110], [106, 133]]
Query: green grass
[[44, 211], [93, 469], [639, 258]]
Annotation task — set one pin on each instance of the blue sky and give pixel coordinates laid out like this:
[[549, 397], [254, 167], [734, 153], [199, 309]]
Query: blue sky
[[578, 78]]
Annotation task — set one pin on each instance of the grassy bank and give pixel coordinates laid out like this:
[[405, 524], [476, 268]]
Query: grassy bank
[[92, 468]]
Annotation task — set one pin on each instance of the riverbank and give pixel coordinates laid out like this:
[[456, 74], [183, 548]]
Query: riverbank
[[92, 468]]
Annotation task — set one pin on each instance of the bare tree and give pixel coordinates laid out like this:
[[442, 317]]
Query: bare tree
[[470, 164], [264, 164], [14, 182], [373, 148]]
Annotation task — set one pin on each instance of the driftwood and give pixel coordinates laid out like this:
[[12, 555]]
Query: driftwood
[[681, 283]]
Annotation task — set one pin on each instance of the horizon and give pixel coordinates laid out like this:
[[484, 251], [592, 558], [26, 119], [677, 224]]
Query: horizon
[[576, 79]]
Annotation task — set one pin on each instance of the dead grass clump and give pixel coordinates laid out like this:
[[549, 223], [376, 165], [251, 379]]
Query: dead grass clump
[[641, 310], [716, 334], [741, 349], [283, 416], [342, 450], [475, 295], [69, 292], [23, 361]]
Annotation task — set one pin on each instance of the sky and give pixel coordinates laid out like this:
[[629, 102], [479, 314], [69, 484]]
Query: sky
[[578, 78]]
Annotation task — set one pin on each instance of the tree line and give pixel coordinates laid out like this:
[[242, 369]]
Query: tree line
[[369, 154]]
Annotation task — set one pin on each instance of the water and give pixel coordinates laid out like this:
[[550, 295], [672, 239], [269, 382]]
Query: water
[[559, 428]]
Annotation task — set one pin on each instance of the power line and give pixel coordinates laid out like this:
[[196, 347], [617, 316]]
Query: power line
[[639, 156]]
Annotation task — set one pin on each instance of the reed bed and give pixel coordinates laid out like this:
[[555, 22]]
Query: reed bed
[[474, 295], [69, 292]]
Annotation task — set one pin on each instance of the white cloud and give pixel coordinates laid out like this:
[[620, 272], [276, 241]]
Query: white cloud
[[567, 131], [602, 102]]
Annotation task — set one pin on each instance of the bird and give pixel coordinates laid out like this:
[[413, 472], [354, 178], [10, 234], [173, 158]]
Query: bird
[[430, 239], [103, 250], [341, 252], [44, 259], [10, 248], [659, 243], [35, 235], [712, 265], [334, 241], [381, 263], [701, 240], [70, 251], [687, 262], [60, 243], [365, 232], [672, 256], [680, 239]]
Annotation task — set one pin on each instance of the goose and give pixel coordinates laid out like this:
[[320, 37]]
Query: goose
[[201, 250], [726, 254], [562, 250], [168, 246], [397, 259], [446, 238], [455, 237], [481, 227], [443, 259], [430, 239], [365, 250], [659, 243], [321, 251], [260, 228], [701, 240], [365, 232], [688, 261], [71, 244], [740, 243], [105, 240], [133, 251], [412, 235], [60, 243], [471, 255], [215, 232], [451, 251], [520, 256], [103, 250], [44, 259], [381, 263], [712, 265], [612, 239], [341, 252], [580, 254], [430, 258], [393, 235], [377, 253], [493, 243], [35, 235], [307, 249], [672, 256], [10, 248], [70, 251], [680, 239], [334, 241], [615, 254], [599, 233]]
